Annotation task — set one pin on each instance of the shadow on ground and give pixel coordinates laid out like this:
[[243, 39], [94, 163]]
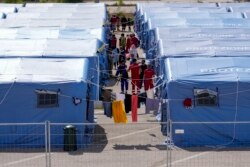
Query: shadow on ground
[[97, 145], [145, 147]]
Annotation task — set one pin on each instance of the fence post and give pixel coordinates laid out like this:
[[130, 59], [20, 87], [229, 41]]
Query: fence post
[[47, 144], [169, 142]]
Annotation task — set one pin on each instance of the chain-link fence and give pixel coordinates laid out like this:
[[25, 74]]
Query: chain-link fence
[[134, 144]]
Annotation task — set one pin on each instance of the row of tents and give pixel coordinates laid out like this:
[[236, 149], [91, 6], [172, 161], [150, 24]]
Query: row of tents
[[50, 59], [200, 52]]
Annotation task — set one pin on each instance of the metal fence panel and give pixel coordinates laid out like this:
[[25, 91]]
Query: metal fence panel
[[192, 146], [22, 145]]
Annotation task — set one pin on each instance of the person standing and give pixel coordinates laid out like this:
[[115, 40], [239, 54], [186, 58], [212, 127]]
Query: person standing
[[128, 43], [115, 56], [122, 71], [124, 23], [118, 23], [122, 42], [130, 24], [122, 56], [143, 67], [113, 42], [135, 41], [135, 76], [110, 62], [148, 78], [113, 21], [109, 40], [133, 52]]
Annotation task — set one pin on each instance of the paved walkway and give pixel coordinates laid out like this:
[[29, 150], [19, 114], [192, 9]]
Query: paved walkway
[[142, 117]]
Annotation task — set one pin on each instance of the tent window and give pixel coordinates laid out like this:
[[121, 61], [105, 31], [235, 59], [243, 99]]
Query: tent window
[[47, 100], [205, 97]]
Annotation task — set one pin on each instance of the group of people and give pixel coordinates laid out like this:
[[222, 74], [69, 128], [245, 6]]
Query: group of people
[[140, 74], [127, 49], [117, 22]]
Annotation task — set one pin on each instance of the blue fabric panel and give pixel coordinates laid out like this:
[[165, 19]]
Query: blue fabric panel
[[230, 79], [26, 111]]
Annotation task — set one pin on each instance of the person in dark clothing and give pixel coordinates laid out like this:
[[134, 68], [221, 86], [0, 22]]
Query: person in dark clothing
[[122, 71], [109, 39], [118, 23], [122, 56], [130, 23], [124, 23], [143, 67]]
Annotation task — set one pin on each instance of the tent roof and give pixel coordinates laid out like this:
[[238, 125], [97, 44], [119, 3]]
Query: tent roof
[[155, 4], [208, 69], [236, 5], [48, 48], [61, 23], [153, 23], [205, 48], [56, 15], [50, 33], [43, 70], [72, 5], [191, 14], [196, 32], [186, 9], [8, 9]]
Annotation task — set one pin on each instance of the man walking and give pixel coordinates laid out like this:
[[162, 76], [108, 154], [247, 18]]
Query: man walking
[[135, 76], [148, 78], [122, 42], [122, 71], [143, 67], [124, 23]]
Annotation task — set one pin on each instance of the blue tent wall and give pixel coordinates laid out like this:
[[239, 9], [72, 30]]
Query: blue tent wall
[[232, 82], [24, 98], [19, 105]]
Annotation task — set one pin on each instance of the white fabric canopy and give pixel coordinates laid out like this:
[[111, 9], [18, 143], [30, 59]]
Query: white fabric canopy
[[42, 70]]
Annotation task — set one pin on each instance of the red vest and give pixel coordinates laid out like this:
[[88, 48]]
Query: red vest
[[148, 74], [113, 42], [135, 70]]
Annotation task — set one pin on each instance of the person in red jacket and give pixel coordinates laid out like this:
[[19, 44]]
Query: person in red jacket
[[148, 78], [134, 40], [113, 21], [128, 43], [113, 42], [135, 76]]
